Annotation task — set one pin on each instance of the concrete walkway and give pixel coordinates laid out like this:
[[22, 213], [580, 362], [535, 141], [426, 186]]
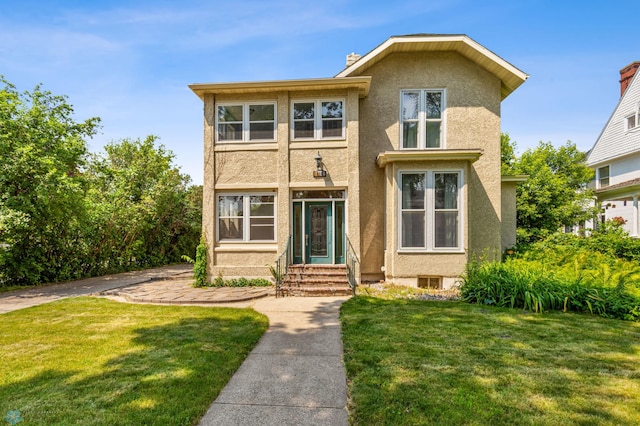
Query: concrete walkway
[[20, 299], [295, 375]]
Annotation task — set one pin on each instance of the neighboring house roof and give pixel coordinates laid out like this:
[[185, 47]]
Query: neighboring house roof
[[614, 140], [510, 76], [622, 189], [360, 83]]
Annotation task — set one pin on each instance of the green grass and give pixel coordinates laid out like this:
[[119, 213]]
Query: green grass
[[450, 363], [96, 362]]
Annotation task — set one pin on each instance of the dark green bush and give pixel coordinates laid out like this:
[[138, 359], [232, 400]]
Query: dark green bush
[[200, 265], [239, 282]]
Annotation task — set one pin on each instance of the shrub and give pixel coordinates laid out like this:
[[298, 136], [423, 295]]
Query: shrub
[[530, 285], [239, 282], [200, 265]]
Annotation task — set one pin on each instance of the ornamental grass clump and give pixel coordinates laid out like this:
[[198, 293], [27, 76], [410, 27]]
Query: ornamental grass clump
[[533, 286]]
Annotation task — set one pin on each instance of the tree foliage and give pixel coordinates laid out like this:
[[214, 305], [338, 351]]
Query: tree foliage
[[65, 213], [555, 194], [142, 207], [42, 150]]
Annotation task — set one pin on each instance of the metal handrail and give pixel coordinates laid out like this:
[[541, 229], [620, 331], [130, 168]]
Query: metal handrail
[[282, 266], [351, 260]]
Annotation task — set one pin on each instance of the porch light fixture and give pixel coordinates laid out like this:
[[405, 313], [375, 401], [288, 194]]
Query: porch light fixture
[[319, 171]]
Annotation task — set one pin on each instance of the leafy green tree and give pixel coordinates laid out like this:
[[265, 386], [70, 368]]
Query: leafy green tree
[[65, 213], [555, 194], [144, 211], [507, 154], [42, 211]]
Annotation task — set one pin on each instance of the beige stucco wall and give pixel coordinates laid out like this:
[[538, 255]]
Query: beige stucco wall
[[508, 215], [472, 121], [280, 167]]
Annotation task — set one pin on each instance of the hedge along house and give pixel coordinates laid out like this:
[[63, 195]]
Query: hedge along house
[[395, 160]]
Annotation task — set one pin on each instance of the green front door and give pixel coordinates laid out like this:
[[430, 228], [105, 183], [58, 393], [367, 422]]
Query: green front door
[[319, 232]]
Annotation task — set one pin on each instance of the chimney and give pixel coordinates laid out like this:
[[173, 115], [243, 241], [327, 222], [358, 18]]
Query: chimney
[[626, 74], [353, 57]]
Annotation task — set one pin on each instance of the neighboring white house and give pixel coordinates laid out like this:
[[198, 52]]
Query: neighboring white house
[[616, 155]]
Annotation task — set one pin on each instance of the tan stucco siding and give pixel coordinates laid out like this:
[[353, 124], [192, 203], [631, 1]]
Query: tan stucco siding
[[246, 168], [333, 160], [472, 120], [508, 215], [274, 167]]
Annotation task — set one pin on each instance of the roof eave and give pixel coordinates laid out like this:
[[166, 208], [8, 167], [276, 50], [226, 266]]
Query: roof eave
[[510, 76], [362, 83], [514, 178]]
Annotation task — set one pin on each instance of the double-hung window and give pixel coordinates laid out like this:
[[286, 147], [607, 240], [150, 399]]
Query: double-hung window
[[246, 217], [422, 116], [317, 119], [603, 177], [430, 210], [246, 122]]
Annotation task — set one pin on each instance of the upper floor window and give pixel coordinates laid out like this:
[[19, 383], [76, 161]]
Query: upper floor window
[[422, 115], [632, 121], [246, 122], [603, 177], [318, 119]]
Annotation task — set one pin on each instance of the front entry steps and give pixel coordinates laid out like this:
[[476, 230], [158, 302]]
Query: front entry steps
[[316, 280]]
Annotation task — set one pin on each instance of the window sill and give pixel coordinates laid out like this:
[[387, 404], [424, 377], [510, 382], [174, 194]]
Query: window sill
[[317, 143], [435, 251], [245, 246], [246, 146]]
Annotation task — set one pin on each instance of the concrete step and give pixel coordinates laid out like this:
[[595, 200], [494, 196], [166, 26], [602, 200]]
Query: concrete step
[[316, 280], [315, 291]]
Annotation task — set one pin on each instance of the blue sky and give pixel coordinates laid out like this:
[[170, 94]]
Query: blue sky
[[129, 62]]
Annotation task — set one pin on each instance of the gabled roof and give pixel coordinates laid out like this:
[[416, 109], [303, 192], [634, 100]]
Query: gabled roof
[[614, 140], [510, 76]]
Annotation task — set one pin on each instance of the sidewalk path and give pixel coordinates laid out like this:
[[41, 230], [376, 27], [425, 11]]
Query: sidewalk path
[[20, 299], [295, 375]]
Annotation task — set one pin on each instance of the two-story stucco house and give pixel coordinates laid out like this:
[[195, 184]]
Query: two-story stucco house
[[616, 155], [395, 160]]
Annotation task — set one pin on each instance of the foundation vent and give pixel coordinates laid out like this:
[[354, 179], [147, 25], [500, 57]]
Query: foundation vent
[[430, 282]]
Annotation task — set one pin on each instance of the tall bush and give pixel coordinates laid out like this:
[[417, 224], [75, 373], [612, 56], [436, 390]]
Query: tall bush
[[66, 214]]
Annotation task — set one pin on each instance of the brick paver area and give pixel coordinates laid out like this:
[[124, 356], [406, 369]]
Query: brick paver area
[[181, 291]]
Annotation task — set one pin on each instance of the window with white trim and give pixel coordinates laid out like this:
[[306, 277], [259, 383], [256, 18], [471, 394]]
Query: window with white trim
[[246, 122], [430, 214], [422, 119], [317, 119], [246, 217], [632, 121], [603, 177]]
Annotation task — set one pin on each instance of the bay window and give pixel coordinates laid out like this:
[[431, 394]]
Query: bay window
[[317, 119], [246, 217], [422, 113], [430, 215], [246, 122]]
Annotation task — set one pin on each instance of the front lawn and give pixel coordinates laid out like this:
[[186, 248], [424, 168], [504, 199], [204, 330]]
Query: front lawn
[[423, 362], [96, 362]]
